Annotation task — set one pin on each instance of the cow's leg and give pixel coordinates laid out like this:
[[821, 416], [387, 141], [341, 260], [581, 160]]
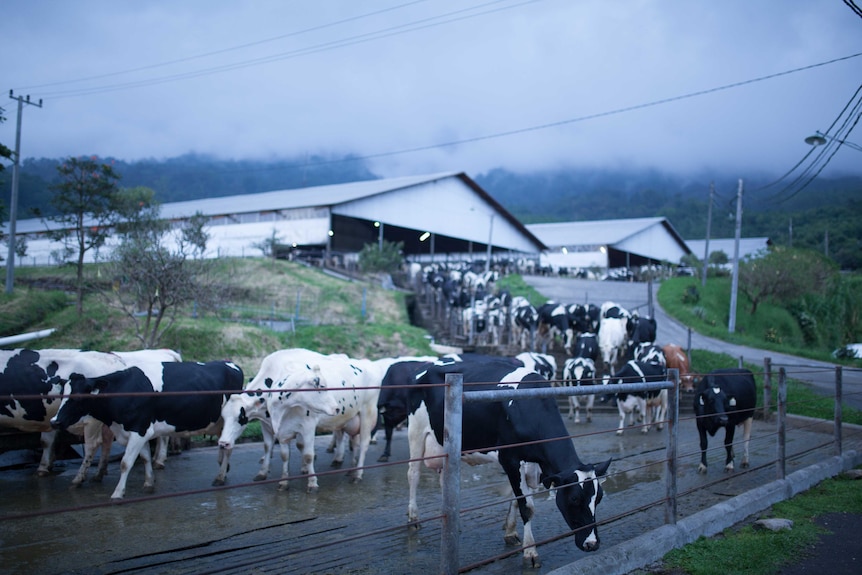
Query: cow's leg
[[529, 485], [703, 445], [92, 440], [573, 408], [513, 469], [646, 410], [333, 443], [268, 443], [729, 431], [622, 410], [161, 452], [47, 440], [746, 436], [591, 399], [223, 467], [149, 477], [107, 442], [307, 450], [135, 446], [367, 421], [387, 451]]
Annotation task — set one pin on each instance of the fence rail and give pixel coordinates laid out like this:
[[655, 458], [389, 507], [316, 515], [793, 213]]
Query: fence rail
[[777, 443]]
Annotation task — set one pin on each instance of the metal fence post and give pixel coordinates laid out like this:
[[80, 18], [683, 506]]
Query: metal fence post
[[670, 510], [839, 376], [767, 388], [782, 423], [451, 528]]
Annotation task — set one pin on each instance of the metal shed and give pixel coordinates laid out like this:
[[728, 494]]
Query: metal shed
[[434, 214], [610, 243]]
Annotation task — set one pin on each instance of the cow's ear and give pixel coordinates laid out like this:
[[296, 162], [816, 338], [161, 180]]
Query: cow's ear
[[551, 480], [602, 468]]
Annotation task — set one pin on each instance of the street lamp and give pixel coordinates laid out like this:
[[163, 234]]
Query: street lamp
[[819, 139]]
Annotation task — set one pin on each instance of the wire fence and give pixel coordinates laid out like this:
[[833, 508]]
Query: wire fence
[[652, 482]]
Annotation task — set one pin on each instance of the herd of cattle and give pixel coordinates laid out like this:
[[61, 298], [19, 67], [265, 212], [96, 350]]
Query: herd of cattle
[[135, 397]]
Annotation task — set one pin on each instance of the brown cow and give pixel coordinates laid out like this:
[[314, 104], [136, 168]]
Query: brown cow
[[677, 358]]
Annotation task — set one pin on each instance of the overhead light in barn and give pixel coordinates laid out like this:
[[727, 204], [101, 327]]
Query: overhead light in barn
[[331, 233], [565, 250], [376, 224], [424, 236]]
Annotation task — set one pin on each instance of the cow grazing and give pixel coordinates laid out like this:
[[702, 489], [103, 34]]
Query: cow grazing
[[725, 398], [580, 371], [516, 429], [135, 419], [677, 359], [630, 403]]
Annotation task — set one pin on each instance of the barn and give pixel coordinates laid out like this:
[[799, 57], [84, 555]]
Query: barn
[[606, 244], [435, 216]]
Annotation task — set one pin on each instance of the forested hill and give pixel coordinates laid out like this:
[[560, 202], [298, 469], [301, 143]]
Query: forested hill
[[826, 215]]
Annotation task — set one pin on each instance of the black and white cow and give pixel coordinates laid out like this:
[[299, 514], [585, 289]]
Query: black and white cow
[[542, 363], [631, 403], [580, 371], [587, 345], [525, 322], [137, 409], [295, 376], [725, 398], [394, 397], [643, 330], [517, 427], [554, 323], [41, 374]]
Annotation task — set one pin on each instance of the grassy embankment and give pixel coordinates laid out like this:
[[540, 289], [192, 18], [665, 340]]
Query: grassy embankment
[[709, 316]]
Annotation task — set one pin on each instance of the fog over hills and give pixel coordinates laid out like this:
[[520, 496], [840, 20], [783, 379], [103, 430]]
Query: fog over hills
[[824, 211]]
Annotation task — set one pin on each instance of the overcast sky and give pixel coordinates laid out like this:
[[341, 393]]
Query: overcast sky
[[468, 85]]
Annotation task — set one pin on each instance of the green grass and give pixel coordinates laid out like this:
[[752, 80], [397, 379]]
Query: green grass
[[772, 327], [748, 551]]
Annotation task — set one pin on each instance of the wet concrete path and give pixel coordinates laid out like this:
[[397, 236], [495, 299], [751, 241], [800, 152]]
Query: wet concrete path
[[345, 528]]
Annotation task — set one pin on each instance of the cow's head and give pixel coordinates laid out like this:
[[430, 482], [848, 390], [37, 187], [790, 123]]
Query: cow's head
[[307, 389], [73, 409], [237, 411], [579, 492], [711, 405]]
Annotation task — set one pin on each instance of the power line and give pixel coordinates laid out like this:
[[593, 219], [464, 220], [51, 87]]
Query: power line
[[416, 25]]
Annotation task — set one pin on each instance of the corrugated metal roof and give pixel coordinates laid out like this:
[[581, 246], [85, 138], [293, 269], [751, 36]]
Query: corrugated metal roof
[[596, 232], [297, 198]]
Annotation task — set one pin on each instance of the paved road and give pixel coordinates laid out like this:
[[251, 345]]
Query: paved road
[[635, 296]]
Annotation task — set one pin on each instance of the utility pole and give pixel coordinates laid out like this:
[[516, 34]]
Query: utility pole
[[731, 327], [13, 205], [708, 227], [790, 233]]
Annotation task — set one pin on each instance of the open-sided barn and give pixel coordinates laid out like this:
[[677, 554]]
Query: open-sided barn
[[432, 215], [610, 243]]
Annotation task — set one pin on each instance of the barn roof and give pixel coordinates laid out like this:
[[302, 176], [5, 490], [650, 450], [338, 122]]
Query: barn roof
[[651, 238], [461, 215]]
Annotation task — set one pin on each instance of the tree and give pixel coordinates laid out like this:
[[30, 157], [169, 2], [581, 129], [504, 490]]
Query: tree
[[385, 258], [87, 210], [784, 274], [157, 270]]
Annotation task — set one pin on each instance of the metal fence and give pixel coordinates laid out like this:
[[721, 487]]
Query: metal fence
[[343, 539]]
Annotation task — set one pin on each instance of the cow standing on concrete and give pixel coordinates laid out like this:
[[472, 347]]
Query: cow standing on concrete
[[517, 427], [138, 411], [725, 398], [640, 402]]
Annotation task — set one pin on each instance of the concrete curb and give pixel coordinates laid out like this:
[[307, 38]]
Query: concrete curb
[[652, 546]]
